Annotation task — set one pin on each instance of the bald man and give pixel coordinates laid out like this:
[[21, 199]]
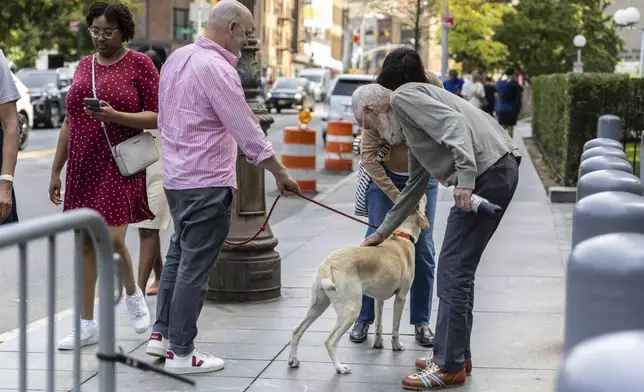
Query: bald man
[[203, 120]]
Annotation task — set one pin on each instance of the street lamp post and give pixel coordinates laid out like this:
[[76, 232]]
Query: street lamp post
[[628, 18], [249, 272], [579, 41]]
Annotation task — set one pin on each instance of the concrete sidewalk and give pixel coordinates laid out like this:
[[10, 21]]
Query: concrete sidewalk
[[516, 341]]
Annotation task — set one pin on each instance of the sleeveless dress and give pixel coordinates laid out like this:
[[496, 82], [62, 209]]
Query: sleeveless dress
[[92, 178]]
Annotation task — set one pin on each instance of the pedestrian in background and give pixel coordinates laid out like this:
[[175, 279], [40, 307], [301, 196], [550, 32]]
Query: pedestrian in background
[[126, 83], [508, 106], [461, 147], [454, 84], [466, 91], [9, 141], [386, 164], [203, 120], [477, 97], [490, 95], [149, 230]]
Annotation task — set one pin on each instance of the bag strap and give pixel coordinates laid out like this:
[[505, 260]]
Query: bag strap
[[103, 127]]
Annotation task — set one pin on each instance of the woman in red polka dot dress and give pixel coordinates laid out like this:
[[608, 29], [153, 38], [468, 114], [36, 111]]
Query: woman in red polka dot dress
[[127, 86]]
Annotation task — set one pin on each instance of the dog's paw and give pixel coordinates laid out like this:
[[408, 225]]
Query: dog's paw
[[343, 369], [293, 362], [377, 342], [397, 346]]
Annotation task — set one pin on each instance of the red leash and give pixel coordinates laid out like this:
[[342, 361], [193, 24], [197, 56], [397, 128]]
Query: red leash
[[270, 212]]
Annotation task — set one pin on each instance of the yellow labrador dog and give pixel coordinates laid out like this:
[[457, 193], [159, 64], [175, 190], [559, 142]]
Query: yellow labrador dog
[[379, 272]]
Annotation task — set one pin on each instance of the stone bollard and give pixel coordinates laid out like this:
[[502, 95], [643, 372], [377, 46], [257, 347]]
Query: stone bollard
[[608, 180], [603, 151], [604, 163], [592, 143], [604, 364], [607, 212], [604, 287], [608, 126]]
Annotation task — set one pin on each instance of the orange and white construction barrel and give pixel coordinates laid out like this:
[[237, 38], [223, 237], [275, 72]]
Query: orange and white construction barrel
[[299, 156], [339, 145]]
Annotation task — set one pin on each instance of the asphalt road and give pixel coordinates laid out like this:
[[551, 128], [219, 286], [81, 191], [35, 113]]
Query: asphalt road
[[32, 180]]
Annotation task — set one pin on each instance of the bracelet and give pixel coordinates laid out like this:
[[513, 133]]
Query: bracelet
[[6, 177]]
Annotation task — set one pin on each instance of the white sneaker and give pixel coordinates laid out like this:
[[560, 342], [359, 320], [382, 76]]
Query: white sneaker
[[196, 362], [138, 310], [157, 345], [88, 336]]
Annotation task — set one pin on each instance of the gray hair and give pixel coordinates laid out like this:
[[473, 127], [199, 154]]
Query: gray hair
[[369, 94]]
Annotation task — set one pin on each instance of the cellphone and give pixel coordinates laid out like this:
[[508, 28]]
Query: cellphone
[[91, 102]]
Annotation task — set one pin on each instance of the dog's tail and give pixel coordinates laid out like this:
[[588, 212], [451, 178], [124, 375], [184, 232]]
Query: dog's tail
[[325, 276]]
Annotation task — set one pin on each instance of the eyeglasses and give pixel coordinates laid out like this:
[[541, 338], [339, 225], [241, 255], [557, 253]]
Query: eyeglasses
[[107, 33]]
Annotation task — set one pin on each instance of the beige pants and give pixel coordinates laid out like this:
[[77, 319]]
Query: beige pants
[[156, 195]]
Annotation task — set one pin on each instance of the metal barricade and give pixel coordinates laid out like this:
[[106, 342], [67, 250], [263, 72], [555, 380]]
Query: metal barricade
[[78, 221], [110, 288]]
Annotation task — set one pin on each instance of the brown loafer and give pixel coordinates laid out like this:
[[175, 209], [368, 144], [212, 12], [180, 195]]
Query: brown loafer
[[433, 377], [423, 363]]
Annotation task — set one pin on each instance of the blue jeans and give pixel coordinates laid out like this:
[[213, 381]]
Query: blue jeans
[[378, 204], [13, 216]]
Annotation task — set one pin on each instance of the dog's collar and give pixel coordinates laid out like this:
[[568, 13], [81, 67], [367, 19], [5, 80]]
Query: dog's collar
[[405, 236]]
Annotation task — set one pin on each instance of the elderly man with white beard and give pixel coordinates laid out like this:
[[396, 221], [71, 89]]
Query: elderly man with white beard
[[461, 146]]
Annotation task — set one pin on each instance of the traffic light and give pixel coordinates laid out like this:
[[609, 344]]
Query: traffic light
[[356, 38]]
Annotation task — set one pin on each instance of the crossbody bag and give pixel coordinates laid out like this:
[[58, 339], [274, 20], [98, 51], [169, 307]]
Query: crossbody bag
[[133, 155]]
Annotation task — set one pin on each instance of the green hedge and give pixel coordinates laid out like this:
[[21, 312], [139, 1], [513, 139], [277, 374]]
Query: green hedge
[[567, 107]]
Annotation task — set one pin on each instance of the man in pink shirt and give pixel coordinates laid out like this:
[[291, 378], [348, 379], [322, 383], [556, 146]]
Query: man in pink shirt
[[203, 119]]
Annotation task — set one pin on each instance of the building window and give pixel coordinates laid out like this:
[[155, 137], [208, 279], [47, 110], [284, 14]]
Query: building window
[[181, 18]]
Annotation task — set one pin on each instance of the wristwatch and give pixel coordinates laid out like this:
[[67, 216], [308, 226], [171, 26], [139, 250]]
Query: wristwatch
[[6, 177]]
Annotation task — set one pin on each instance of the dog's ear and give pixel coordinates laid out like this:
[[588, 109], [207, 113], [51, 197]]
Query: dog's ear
[[422, 221]]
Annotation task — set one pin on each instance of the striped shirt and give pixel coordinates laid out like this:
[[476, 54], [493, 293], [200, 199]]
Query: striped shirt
[[204, 118]]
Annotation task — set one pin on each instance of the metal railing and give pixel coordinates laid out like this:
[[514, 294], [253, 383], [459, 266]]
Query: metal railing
[[82, 222]]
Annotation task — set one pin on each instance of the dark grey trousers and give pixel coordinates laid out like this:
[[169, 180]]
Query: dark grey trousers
[[201, 223], [466, 236]]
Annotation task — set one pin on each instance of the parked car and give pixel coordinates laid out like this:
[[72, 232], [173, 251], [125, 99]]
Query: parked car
[[339, 99], [48, 90], [290, 93], [25, 113], [320, 80]]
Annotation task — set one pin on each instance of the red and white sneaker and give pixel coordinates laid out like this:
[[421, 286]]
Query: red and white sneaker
[[157, 345], [196, 362]]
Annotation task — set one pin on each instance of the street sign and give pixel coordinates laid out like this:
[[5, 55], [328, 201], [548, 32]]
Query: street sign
[[448, 21], [187, 30], [74, 26], [578, 67]]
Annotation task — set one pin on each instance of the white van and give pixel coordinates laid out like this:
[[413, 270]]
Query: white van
[[320, 79], [339, 100]]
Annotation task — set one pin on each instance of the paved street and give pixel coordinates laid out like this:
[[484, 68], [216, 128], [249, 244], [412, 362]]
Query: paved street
[[32, 181], [517, 337]]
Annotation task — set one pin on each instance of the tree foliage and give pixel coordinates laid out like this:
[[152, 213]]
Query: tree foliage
[[539, 36], [415, 15], [470, 39], [29, 26]]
